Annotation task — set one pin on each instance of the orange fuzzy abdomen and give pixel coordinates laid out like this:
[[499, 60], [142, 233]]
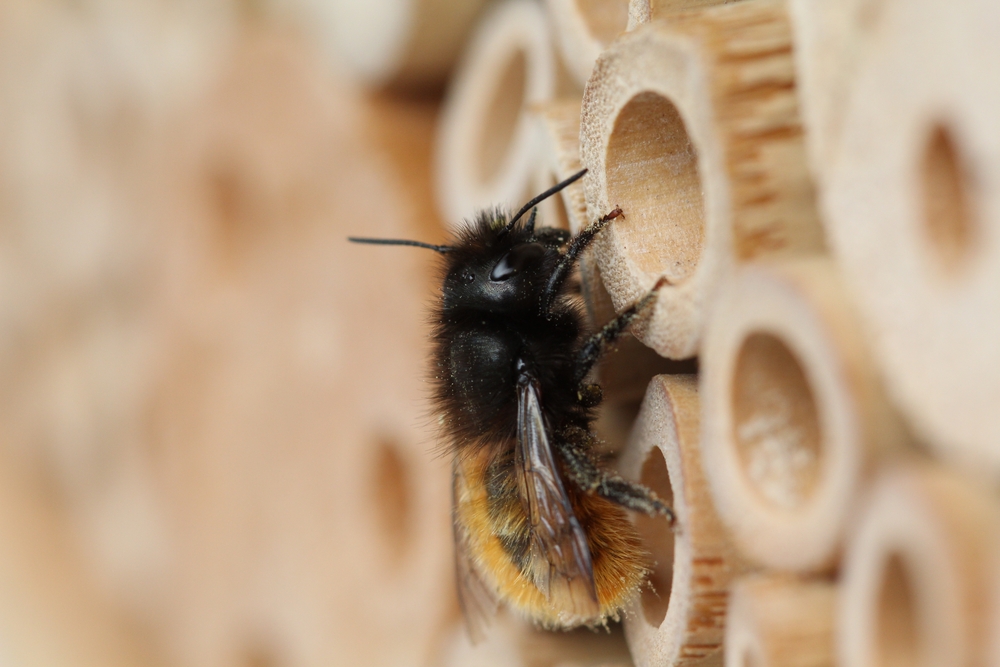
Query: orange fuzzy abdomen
[[617, 556]]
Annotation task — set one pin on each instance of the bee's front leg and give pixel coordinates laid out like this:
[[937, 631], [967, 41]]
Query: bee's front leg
[[599, 342]]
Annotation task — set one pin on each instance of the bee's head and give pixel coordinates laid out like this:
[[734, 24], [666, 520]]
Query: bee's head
[[497, 275]]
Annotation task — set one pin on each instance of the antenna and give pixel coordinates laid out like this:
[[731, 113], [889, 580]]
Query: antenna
[[418, 244], [542, 197]]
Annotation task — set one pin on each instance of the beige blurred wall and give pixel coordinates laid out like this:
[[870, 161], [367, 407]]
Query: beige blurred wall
[[215, 440]]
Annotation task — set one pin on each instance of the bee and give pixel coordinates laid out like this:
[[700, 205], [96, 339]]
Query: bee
[[539, 523]]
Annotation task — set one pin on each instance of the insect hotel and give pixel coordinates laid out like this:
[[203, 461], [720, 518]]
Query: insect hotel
[[218, 447]]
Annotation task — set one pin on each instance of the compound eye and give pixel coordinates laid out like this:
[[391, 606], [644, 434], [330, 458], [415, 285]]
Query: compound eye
[[515, 260]]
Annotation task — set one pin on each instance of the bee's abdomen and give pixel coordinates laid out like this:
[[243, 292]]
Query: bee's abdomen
[[488, 505]]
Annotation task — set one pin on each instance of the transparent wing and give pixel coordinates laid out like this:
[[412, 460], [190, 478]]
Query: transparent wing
[[477, 601], [561, 564]]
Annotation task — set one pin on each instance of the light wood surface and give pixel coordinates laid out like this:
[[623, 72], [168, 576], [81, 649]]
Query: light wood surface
[[680, 619], [780, 621], [912, 209], [794, 416], [919, 571], [691, 126], [488, 143]]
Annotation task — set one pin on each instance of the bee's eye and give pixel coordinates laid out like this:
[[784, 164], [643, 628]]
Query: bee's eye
[[515, 260]]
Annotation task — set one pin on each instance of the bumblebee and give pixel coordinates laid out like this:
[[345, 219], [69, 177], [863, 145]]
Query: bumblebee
[[539, 523]]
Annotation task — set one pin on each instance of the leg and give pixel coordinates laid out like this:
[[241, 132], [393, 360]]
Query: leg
[[598, 343], [561, 272], [530, 225], [575, 444]]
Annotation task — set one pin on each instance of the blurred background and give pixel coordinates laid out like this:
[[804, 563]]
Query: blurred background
[[214, 429]]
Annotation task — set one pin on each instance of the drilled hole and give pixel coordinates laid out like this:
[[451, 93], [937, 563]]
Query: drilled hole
[[652, 175], [605, 19], [393, 501], [658, 539], [775, 426], [948, 219], [501, 122], [897, 639]]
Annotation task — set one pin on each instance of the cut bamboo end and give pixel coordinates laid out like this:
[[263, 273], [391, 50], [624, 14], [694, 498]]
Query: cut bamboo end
[[917, 572], [680, 619], [407, 43], [793, 413], [780, 621], [913, 213], [583, 29], [691, 127], [487, 139], [644, 11]]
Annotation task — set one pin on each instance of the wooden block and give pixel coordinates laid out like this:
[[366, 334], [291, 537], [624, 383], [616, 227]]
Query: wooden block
[[794, 416], [691, 126]]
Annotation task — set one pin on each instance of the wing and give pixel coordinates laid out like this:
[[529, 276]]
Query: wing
[[477, 601], [561, 565]]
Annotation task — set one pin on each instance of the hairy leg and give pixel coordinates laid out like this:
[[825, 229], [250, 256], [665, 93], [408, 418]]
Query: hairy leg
[[599, 342], [575, 445]]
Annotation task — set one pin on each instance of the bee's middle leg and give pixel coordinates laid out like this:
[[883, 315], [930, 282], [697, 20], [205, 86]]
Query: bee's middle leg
[[575, 445], [595, 347]]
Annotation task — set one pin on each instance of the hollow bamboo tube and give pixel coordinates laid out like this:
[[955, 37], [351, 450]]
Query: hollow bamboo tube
[[682, 621], [690, 125], [487, 143], [644, 11], [625, 374], [912, 209], [918, 571], [780, 621], [794, 416], [584, 28], [406, 43]]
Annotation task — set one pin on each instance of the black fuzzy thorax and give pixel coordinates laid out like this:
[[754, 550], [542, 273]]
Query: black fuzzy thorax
[[479, 344]]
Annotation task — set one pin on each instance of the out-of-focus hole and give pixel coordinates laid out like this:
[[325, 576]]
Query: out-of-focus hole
[[896, 634], [502, 118], [652, 174], [775, 424], [606, 19], [948, 218], [393, 498], [658, 538]]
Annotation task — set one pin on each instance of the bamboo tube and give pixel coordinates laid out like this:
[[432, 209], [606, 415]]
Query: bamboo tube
[[831, 36], [680, 619], [690, 126], [913, 213], [402, 43], [644, 11], [780, 621], [918, 572], [793, 413], [583, 29], [559, 123], [487, 143]]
